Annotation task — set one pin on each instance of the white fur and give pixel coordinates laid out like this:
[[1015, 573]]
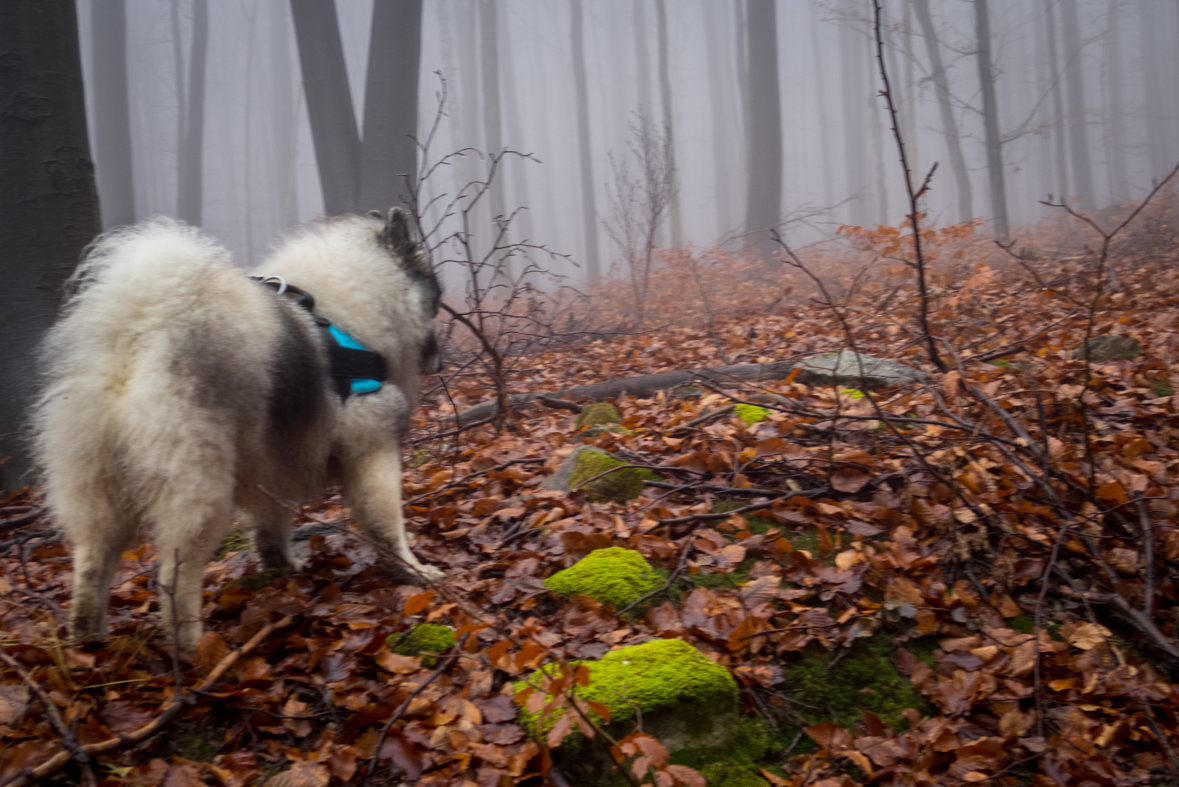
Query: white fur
[[170, 398]]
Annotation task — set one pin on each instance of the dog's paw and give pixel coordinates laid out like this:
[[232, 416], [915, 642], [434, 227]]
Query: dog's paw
[[427, 573]]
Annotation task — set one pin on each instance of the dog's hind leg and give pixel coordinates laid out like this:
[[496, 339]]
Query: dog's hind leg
[[372, 483], [98, 547], [186, 540], [270, 531]]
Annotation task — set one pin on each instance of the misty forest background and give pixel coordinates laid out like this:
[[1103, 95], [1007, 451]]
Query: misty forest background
[[247, 117]]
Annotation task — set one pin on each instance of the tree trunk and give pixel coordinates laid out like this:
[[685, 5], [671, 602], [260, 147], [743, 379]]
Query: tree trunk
[[877, 131], [1153, 63], [949, 125], [112, 114], [329, 102], [677, 230], [48, 203], [855, 95], [1078, 133], [721, 116], [492, 122], [284, 116], [192, 151], [994, 144], [1115, 129], [588, 210], [181, 92], [824, 119], [764, 204], [1057, 104], [642, 58], [516, 138], [388, 151]]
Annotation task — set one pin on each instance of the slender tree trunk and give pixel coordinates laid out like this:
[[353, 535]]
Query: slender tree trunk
[[388, 151], [492, 122], [181, 92], [192, 152], [516, 138], [642, 58], [677, 231], [764, 205], [588, 209], [284, 117], [911, 136], [1044, 86], [48, 203], [994, 144], [721, 117], [855, 95], [1153, 84], [1057, 103], [1115, 129], [949, 125], [1078, 131], [824, 117], [877, 137], [741, 45], [112, 114], [329, 102]]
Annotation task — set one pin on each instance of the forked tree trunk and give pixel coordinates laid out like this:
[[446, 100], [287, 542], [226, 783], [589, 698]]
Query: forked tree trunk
[[388, 152], [48, 203], [329, 102]]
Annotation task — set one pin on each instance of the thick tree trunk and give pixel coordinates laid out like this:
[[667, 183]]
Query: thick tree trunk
[[1078, 133], [48, 203], [945, 108], [192, 149], [677, 229], [112, 114], [388, 152], [764, 203], [994, 144], [329, 102], [589, 210]]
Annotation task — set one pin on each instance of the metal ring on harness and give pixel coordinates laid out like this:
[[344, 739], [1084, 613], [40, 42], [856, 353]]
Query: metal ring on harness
[[282, 283]]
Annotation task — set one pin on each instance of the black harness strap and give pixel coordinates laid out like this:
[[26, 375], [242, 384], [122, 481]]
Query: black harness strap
[[345, 364]]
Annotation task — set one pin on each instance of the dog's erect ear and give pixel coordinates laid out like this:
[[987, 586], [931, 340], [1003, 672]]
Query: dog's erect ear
[[376, 214], [399, 240]]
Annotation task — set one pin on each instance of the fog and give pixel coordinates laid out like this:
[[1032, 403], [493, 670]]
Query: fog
[[1095, 123]]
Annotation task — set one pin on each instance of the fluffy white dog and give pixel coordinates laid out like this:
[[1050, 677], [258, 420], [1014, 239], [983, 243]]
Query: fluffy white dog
[[178, 388]]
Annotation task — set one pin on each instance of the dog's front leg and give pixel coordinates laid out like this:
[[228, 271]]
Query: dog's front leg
[[372, 483]]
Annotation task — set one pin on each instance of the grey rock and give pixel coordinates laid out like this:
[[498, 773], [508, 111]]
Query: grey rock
[[560, 479], [1108, 348], [844, 368]]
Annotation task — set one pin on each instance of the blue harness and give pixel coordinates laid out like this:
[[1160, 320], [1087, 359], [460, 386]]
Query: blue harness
[[354, 369]]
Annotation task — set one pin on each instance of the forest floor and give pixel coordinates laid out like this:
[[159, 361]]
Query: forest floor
[[969, 581]]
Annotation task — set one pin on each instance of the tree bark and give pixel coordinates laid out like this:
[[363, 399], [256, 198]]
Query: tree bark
[[1115, 128], [1057, 104], [855, 96], [642, 59], [994, 143], [721, 116], [677, 230], [945, 108], [48, 202], [824, 118], [112, 114], [190, 198], [329, 102], [764, 202], [1153, 63], [388, 151], [1078, 132], [588, 209], [492, 116]]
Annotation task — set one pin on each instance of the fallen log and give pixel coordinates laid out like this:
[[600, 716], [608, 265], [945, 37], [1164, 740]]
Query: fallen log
[[643, 386]]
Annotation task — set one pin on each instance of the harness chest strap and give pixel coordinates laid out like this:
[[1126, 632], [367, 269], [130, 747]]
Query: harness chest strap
[[354, 369]]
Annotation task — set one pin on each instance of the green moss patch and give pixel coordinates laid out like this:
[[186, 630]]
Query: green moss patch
[[661, 675], [425, 638], [751, 413], [613, 576], [618, 486], [598, 413], [236, 540], [864, 680], [736, 766]]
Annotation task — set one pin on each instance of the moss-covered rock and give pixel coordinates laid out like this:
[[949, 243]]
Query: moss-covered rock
[[618, 486], [1108, 348], [425, 638], [598, 413], [613, 576], [601, 429], [751, 413], [687, 701], [737, 764]]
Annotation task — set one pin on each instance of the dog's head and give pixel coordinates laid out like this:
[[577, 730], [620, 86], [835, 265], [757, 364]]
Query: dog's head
[[397, 237]]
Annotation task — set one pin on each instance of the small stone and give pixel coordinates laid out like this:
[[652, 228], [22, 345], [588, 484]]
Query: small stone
[[1108, 348], [598, 413], [587, 462], [613, 576]]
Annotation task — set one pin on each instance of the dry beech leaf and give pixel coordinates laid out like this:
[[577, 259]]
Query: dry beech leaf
[[1087, 636]]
